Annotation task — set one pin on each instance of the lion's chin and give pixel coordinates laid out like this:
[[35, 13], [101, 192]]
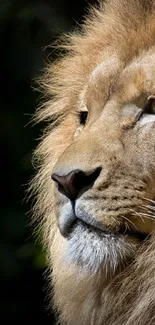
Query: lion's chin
[[93, 249]]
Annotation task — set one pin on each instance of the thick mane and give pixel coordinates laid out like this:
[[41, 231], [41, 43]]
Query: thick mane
[[124, 29], [135, 298]]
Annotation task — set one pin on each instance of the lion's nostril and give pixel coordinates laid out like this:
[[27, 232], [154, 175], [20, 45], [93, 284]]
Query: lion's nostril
[[68, 184], [77, 180]]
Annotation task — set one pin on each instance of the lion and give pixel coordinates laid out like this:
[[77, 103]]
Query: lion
[[95, 182]]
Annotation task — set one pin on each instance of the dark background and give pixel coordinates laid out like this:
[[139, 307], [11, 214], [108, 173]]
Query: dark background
[[26, 28]]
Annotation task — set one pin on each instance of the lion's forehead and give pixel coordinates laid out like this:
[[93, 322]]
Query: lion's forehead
[[126, 82]]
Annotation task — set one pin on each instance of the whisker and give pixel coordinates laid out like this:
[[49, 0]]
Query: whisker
[[129, 221], [127, 228], [149, 207], [152, 213], [144, 215], [137, 213], [152, 201]]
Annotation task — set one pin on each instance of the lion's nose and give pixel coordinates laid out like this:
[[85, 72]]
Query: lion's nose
[[76, 181]]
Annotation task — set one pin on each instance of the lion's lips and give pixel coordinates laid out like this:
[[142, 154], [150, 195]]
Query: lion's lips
[[67, 223], [68, 220], [104, 230]]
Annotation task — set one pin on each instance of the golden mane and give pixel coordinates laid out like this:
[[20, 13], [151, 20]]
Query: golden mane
[[125, 29]]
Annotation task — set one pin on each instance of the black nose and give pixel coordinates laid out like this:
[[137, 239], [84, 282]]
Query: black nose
[[76, 181]]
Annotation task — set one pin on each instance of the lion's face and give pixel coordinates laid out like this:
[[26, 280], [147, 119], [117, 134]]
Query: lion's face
[[105, 177]]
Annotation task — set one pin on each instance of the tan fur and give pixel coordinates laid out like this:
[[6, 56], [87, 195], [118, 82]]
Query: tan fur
[[109, 70]]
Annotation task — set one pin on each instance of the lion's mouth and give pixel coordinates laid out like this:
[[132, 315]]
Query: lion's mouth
[[91, 244], [91, 247], [102, 230], [70, 221]]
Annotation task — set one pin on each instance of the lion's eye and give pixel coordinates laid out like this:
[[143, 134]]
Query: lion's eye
[[83, 117], [149, 108]]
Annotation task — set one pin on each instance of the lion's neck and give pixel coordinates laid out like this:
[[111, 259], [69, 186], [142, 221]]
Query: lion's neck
[[78, 294], [85, 299]]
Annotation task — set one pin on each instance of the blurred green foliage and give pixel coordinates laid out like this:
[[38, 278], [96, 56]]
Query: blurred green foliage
[[26, 28]]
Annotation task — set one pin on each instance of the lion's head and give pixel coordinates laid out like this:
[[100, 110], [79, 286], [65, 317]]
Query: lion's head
[[98, 209]]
